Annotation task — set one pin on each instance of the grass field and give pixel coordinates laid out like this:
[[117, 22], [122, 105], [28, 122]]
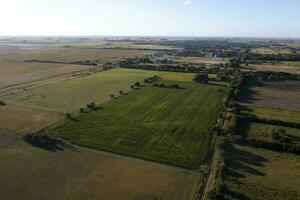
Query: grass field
[[199, 60], [27, 173], [262, 174], [275, 114], [70, 95], [273, 50], [289, 67], [264, 132], [155, 123]]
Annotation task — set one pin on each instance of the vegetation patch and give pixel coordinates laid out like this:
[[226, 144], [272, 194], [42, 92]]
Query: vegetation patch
[[169, 125]]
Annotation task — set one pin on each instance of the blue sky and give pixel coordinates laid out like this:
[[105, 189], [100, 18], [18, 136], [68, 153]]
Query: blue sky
[[237, 18]]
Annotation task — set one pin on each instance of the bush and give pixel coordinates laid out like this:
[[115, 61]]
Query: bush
[[2, 103]]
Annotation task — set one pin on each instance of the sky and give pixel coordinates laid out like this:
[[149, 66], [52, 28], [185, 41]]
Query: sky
[[206, 18]]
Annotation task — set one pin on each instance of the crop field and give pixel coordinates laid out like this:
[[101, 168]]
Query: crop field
[[80, 91], [199, 60], [24, 120], [155, 123], [27, 173], [289, 67], [260, 174], [264, 132]]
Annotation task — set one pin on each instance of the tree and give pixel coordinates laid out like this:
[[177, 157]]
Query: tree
[[201, 78], [2, 103], [121, 92], [112, 96], [137, 84]]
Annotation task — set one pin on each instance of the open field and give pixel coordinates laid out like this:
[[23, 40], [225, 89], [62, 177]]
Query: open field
[[81, 91], [155, 123], [275, 114], [27, 173], [289, 67], [262, 174], [75, 54], [131, 45], [16, 73], [24, 120], [199, 60], [264, 132], [274, 50], [280, 95]]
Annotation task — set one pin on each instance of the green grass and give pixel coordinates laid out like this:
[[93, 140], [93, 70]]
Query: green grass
[[275, 114], [262, 174], [70, 95], [264, 132], [155, 123]]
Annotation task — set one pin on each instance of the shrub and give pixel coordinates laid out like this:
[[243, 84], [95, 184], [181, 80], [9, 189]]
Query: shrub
[[2, 103]]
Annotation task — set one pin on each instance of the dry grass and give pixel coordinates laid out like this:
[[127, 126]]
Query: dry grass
[[30, 173], [289, 67], [25, 120], [75, 54], [13, 73], [279, 95]]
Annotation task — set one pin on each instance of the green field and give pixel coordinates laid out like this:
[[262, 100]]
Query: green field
[[70, 95], [157, 123], [264, 132], [275, 114], [260, 174]]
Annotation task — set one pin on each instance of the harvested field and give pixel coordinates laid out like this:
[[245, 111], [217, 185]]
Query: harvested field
[[24, 120], [30, 173], [165, 124], [280, 95], [17, 73], [76, 54]]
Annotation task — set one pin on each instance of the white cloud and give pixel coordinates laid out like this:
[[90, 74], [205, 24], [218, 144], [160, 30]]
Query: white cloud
[[185, 3]]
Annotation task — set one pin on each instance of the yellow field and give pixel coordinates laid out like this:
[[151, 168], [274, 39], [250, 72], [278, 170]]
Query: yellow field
[[28, 173], [24, 120]]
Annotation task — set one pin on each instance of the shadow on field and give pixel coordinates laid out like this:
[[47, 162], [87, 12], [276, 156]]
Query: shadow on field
[[47, 143], [242, 161]]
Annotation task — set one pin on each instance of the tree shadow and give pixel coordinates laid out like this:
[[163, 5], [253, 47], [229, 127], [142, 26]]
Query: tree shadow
[[47, 143], [236, 195], [240, 162], [243, 161]]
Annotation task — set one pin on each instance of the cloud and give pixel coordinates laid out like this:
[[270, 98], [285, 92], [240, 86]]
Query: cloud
[[185, 3]]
